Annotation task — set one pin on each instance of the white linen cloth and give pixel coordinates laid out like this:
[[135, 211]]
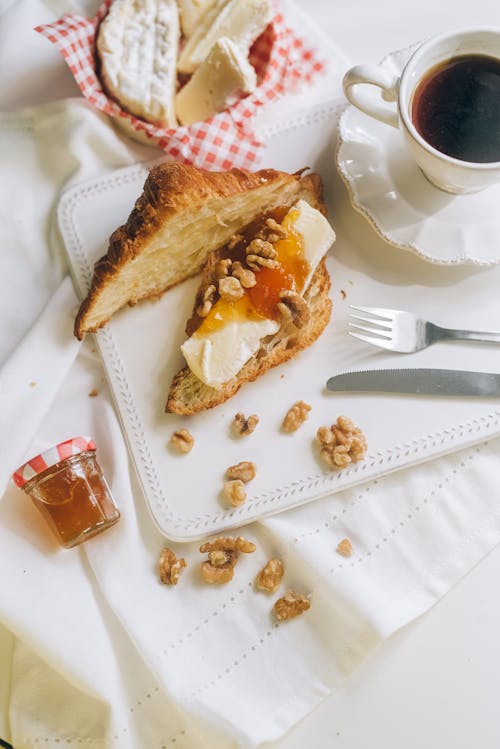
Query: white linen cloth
[[95, 651]]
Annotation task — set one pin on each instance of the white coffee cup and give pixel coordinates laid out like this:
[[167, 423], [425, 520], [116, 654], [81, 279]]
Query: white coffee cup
[[445, 172]]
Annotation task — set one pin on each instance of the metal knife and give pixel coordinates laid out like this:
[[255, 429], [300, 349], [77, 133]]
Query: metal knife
[[418, 382]]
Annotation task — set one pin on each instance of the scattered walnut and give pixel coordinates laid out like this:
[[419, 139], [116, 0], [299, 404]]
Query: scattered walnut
[[207, 301], [294, 307], [170, 567], [182, 440], [33, 384], [344, 548], [235, 492], [261, 254], [245, 471], [245, 276], [230, 289], [223, 554], [243, 426], [222, 268], [93, 393], [291, 605], [342, 443], [295, 416], [269, 578], [343, 293]]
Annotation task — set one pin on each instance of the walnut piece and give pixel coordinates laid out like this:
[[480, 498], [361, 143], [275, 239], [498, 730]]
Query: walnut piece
[[207, 301], [270, 576], [223, 554], [245, 276], [290, 606], [170, 567], [235, 239], [222, 268], [276, 228], [295, 416], [295, 308], [344, 548], [243, 425], [342, 443], [245, 471], [235, 492], [261, 254], [230, 289], [182, 440]]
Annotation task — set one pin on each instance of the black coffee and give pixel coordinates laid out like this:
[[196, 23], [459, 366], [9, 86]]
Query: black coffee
[[456, 108]]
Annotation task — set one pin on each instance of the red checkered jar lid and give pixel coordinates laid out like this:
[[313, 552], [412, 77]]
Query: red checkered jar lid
[[50, 457]]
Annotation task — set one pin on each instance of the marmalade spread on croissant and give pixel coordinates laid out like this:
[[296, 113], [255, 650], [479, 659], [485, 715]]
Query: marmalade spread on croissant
[[262, 299]]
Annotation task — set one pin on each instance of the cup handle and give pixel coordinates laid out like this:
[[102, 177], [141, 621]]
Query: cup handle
[[377, 76]]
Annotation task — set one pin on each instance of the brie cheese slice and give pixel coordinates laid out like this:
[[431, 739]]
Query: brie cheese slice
[[191, 13], [242, 21], [216, 353], [223, 78], [137, 47]]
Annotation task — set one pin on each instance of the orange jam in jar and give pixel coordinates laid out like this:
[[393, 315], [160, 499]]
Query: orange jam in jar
[[67, 486]]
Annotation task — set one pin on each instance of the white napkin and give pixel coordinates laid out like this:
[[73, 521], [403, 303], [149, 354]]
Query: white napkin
[[101, 653]]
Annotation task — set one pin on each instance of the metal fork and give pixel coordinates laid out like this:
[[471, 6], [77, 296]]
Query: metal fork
[[401, 331]]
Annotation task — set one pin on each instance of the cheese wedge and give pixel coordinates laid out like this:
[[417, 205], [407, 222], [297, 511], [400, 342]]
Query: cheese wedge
[[223, 78], [191, 12], [242, 21], [227, 339], [137, 46]]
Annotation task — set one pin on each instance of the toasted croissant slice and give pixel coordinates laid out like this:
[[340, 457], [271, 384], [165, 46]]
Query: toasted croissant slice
[[262, 298], [182, 215]]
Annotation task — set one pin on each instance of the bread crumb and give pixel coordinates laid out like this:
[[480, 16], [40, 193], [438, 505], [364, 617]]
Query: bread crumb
[[344, 548], [93, 393], [343, 293], [33, 384]]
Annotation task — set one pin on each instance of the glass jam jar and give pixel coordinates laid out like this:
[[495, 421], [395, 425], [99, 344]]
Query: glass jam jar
[[67, 485]]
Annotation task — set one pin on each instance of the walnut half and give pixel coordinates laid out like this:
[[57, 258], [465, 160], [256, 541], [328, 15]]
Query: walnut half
[[223, 554], [170, 567], [295, 416], [294, 307], [243, 425], [245, 471], [290, 606], [182, 440], [342, 443], [270, 576]]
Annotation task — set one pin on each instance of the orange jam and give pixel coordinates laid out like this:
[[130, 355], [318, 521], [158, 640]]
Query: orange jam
[[225, 312], [262, 299], [74, 498]]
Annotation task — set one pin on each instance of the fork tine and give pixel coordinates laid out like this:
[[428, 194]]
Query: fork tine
[[384, 335], [387, 314], [379, 342], [373, 321]]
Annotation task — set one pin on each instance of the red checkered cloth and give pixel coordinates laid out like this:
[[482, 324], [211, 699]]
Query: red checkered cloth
[[280, 57]]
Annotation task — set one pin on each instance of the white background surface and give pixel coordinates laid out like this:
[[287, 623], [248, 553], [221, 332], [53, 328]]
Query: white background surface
[[437, 682]]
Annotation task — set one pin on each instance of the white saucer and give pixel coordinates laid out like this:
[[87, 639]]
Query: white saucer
[[388, 188]]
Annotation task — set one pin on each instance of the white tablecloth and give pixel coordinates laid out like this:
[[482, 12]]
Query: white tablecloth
[[96, 651]]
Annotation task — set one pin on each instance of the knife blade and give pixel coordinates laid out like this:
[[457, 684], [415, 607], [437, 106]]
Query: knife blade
[[418, 382]]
